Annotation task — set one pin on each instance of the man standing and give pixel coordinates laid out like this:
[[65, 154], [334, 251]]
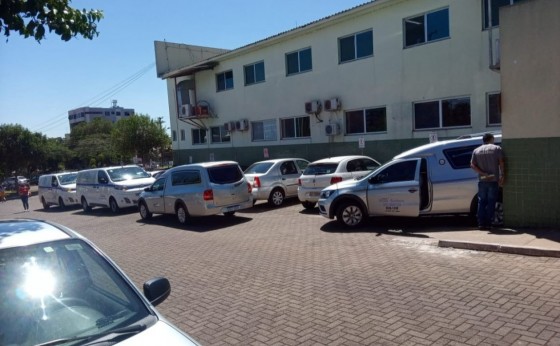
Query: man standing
[[488, 161]]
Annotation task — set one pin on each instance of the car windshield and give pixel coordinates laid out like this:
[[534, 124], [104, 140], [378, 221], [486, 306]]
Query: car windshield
[[69, 178], [225, 174], [320, 168], [127, 173], [62, 289], [259, 168]]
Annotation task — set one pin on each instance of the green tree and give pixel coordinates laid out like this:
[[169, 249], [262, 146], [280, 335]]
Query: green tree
[[92, 140], [21, 150], [138, 135], [31, 18]]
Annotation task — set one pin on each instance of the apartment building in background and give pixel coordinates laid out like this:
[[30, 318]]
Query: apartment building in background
[[87, 114]]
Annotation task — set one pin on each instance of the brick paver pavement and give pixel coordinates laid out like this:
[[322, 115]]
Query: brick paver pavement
[[288, 277]]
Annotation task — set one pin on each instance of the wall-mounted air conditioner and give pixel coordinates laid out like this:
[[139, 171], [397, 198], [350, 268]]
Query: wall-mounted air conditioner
[[312, 107], [185, 111], [332, 129], [242, 125], [332, 104], [230, 126]]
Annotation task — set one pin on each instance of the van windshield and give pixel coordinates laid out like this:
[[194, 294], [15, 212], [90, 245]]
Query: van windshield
[[68, 178], [127, 173]]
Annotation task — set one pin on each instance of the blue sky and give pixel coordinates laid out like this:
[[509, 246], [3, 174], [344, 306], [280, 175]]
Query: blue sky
[[39, 83]]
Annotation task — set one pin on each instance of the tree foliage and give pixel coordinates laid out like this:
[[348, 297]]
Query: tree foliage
[[93, 140], [32, 18], [20, 149]]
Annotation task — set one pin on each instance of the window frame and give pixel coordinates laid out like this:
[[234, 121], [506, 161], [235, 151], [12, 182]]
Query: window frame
[[299, 52], [297, 128], [485, 19], [489, 108], [425, 25], [183, 135], [225, 79], [355, 46], [200, 138], [364, 120], [254, 68], [441, 114], [223, 134], [272, 126]]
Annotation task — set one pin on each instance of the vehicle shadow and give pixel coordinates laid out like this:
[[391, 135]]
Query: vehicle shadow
[[263, 206], [106, 211], [56, 209], [197, 224]]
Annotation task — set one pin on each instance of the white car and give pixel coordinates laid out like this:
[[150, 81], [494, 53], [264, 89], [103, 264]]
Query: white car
[[58, 189], [322, 173], [58, 288]]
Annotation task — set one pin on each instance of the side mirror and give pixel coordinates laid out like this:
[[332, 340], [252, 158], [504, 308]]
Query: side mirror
[[157, 290], [148, 189], [377, 179]]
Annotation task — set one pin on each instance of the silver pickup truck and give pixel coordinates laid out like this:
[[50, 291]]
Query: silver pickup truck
[[435, 178]]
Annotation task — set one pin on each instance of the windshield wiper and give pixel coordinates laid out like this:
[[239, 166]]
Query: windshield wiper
[[132, 329]]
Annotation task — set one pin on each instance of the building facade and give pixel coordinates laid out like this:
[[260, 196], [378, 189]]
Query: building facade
[[389, 73], [87, 114]]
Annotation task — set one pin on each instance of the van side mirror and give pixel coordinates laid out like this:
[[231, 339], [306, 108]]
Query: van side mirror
[[148, 189], [377, 179]]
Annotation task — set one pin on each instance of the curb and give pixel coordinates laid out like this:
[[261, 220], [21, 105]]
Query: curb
[[516, 250]]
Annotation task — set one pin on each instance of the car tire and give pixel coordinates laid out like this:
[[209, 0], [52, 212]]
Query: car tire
[[308, 205], [113, 205], [229, 213], [44, 203], [61, 203], [144, 211], [85, 205], [182, 214], [276, 197], [350, 214]]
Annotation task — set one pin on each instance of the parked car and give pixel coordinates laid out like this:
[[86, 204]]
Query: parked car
[[275, 180], [198, 189], [58, 189], [432, 179], [114, 187], [59, 288], [325, 172], [12, 183]]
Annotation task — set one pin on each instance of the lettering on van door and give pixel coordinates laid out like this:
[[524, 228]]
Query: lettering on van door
[[391, 205]]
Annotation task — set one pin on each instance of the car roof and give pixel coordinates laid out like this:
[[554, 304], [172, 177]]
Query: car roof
[[428, 149], [337, 159], [206, 164], [23, 232], [281, 160]]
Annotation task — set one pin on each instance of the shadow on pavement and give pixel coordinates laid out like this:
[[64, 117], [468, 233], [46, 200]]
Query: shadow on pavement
[[106, 212], [263, 206], [197, 224]]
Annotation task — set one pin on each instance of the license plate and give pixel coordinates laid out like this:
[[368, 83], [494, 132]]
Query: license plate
[[314, 194], [230, 209]]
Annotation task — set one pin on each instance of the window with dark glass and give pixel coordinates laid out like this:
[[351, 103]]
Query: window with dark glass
[[174, 135], [198, 136], [366, 121], [446, 113], [427, 27], [355, 46], [263, 130], [494, 109], [254, 73], [185, 178], [182, 135], [297, 62], [219, 134], [495, 9], [295, 127], [224, 81]]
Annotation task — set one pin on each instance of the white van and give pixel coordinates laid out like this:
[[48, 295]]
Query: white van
[[58, 189], [114, 187]]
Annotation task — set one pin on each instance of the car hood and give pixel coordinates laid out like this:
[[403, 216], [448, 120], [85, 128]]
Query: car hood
[[343, 184], [160, 333]]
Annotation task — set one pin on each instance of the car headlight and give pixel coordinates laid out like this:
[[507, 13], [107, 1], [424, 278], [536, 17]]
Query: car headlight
[[326, 193]]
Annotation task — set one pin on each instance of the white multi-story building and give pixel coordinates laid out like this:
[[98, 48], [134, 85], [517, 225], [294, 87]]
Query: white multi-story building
[[87, 114], [388, 74]]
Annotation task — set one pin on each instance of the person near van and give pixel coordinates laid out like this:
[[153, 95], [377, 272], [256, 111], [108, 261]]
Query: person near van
[[24, 192], [488, 161]]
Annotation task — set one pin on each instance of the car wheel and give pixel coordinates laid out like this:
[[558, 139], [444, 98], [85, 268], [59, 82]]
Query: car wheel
[[85, 205], [308, 205], [144, 211], [182, 214], [350, 214], [276, 197], [61, 203], [229, 213], [113, 205], [44, 203]]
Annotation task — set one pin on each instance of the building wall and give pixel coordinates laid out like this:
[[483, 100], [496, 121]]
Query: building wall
[[87, 114], [530, 72], [395, 78]]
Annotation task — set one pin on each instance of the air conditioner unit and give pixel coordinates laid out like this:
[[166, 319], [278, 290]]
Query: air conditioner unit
[[312, 107], [332, 129], [332, 104], [230, 126], [185, 111], [242, 125]]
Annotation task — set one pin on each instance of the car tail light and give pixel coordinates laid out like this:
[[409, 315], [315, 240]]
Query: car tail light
[[257, 182], [335, 180], [299, 182], [208, 195], [250, 188]]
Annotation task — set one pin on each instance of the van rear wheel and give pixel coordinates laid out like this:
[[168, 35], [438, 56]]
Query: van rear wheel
[[144, 211], [113, 205], [85, 205], [44, 203], [182, 214], [61, 203]]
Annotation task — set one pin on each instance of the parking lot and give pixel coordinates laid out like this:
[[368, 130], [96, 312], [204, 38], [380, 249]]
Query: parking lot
[[288, 276]]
